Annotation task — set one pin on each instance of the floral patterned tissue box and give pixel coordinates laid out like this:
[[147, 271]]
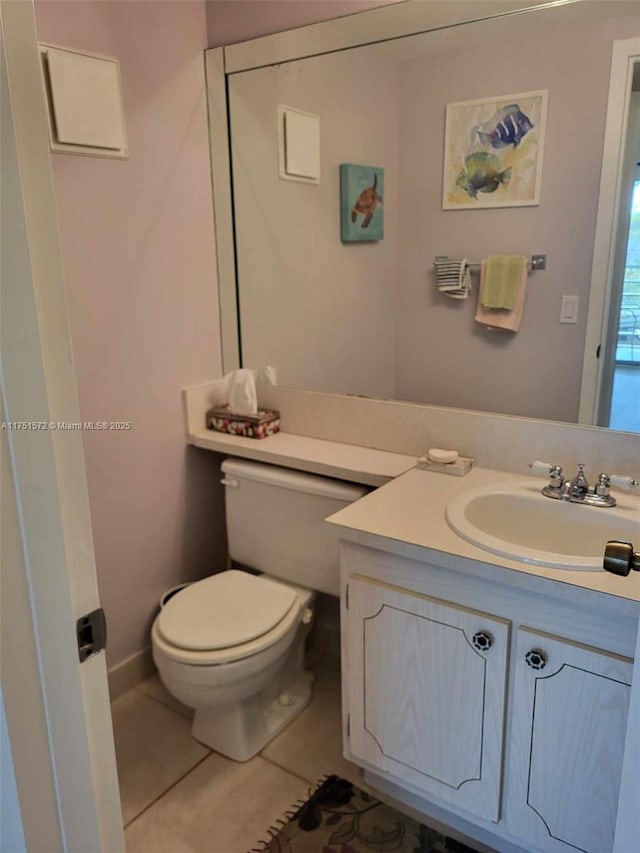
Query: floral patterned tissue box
[[265, 423]]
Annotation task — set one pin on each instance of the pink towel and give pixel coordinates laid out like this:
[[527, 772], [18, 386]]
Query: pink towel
[[497, 319]]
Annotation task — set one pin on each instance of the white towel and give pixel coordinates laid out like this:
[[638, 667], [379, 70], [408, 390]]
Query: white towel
[[453, 277]]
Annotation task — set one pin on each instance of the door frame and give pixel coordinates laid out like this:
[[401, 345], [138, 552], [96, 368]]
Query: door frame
[[614, 299], [606, 249], [57, 709]]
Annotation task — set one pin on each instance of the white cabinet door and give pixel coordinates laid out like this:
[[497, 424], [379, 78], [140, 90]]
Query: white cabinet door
[[569, 722], [426, 693]]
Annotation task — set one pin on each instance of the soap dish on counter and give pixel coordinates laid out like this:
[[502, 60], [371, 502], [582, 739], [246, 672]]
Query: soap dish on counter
[[264, 423], [446, 462]]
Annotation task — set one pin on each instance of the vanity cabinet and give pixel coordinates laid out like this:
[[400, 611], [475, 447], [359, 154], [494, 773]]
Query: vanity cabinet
[[427, 697], [497, 709], [569, 710]]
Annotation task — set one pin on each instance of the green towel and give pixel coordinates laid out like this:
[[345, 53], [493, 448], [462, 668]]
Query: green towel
[[503, 275]]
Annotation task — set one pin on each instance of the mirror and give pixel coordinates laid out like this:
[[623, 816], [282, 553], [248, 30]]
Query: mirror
[[367, 318]]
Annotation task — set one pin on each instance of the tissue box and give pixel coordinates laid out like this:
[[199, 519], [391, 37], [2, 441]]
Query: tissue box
[[262, 425]]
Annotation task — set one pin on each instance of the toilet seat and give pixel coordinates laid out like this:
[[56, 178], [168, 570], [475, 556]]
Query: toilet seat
[[226, 617]]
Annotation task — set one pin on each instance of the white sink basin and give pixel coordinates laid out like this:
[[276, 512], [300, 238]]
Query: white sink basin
[[516, 521]]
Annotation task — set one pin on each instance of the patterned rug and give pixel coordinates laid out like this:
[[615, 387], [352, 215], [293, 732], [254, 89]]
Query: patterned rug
[[340, 818]]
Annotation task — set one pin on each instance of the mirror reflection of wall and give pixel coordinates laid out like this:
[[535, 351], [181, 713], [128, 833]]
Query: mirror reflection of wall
[[368, 318]]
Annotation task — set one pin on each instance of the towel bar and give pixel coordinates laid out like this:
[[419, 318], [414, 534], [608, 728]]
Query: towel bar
[[535, 262]]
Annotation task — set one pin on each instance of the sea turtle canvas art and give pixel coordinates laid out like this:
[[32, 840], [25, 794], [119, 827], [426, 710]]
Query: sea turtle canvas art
[[493, 151], [361, 203]]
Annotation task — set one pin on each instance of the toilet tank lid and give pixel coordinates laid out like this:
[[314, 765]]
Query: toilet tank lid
[[224, 610], [299, 481]]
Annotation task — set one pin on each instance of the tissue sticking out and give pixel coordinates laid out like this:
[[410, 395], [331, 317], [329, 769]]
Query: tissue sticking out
[[243, 397], [235, 404], [237, 389]]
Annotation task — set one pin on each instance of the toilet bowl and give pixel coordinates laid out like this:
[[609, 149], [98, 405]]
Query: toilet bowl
[[231, 646]]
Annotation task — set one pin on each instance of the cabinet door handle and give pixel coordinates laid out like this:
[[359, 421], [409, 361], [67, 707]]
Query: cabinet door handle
[[620, 558], [536, 658], [482, 640]]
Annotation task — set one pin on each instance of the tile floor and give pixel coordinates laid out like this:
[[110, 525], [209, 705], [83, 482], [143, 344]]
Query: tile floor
[[180, 797]]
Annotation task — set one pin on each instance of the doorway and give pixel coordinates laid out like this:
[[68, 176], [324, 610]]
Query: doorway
[[624, 410], [610, 392]]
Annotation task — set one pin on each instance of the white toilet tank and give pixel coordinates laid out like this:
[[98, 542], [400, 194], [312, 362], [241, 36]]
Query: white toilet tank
[[275, 522]]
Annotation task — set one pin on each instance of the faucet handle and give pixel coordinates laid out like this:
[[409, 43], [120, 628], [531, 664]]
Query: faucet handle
[[543, 467], [602, 487], [622, 481], [554, 472]]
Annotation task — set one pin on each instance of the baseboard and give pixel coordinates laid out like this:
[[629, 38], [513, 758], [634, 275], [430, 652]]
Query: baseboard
[[130, 672]]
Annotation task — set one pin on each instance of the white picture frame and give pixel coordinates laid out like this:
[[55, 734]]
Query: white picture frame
[[493, 151]]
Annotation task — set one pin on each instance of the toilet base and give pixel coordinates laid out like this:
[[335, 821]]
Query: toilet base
[[241, 730]]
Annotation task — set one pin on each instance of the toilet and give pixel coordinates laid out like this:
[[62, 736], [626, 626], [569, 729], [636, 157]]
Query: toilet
[[231, 646]]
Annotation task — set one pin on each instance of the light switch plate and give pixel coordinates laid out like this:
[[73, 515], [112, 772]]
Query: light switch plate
[[569, 309]]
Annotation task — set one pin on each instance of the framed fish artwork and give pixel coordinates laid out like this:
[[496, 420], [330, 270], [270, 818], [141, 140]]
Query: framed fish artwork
[[361, 203], [493, 151]]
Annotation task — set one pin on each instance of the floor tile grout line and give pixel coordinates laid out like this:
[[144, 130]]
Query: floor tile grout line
[[159, 702], [287, 770], [143, 693], [170, 788], [140, 692]]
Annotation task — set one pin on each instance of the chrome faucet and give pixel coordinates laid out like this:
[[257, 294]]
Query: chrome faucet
[[577, 490]]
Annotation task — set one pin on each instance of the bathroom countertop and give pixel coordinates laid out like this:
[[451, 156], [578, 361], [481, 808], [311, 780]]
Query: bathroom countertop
[[329, 458], [407, 517]]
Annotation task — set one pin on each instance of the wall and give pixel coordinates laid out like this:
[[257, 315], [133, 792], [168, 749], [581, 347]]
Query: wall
[[230, 21], [443, 355], [500, 442], [322, 311], [138, 247]]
